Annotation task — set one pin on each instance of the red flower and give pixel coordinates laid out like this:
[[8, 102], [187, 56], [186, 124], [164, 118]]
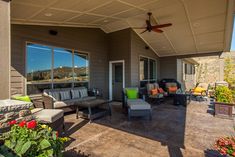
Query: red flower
[[12, 122], [32, 124], [22, 124]]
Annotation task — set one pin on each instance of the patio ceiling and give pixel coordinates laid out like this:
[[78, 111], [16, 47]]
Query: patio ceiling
[[199, 26]]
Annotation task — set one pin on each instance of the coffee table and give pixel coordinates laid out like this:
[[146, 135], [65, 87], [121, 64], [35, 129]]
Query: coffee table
[[92, 109]]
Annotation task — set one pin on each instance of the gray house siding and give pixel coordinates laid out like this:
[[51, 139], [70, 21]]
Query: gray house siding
[[119, 49], [168, 67], [93, 41], [138, 49], [102, 48]]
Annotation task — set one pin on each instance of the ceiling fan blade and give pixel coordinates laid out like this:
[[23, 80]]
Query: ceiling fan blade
[[157, 30], [163, 25], [138, 27], [144, 31]]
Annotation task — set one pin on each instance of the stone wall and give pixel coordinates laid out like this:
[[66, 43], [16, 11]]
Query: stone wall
[[211, 69]]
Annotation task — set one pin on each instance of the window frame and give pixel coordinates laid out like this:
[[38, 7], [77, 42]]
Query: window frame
[[148, 58], [85, 53]]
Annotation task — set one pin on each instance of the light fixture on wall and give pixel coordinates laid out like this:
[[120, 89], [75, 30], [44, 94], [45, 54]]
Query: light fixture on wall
[[53, 32]]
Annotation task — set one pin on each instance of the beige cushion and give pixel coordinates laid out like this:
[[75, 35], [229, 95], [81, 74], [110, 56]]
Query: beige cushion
[[65, 103], [150, 87], [36, 110], [138, 104], [49, 115], [156, 85]]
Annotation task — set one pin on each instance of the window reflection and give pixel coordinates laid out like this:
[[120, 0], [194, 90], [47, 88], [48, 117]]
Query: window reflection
[[62, 65], [81, 70], [148, 71], [69, 70], [39, 62]]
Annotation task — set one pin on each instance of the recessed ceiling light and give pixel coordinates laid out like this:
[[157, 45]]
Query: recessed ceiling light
[[48, 14], [196, 24]]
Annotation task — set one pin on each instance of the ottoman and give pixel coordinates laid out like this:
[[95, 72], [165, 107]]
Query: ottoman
[[138, 107], [52, 117]]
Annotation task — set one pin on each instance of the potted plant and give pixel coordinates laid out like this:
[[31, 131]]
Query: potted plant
[[30, 139], [225, 146], [224, 102]]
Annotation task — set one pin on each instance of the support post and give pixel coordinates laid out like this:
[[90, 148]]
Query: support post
[[5, 49]]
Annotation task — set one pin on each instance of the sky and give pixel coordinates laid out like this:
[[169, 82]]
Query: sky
[[233, 38], [40, 58]]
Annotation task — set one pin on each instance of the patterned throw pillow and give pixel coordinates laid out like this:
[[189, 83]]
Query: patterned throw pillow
[[154, 92], [24, 113], [75, 93], [65, 95]]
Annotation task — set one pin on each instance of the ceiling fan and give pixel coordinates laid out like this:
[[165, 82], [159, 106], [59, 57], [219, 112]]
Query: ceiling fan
[[155, 28]]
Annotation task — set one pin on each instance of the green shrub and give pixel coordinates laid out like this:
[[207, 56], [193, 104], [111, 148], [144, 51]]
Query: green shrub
[[223, 94]]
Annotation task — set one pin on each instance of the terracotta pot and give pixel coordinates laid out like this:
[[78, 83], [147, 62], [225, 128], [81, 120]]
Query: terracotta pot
[[224, 110]]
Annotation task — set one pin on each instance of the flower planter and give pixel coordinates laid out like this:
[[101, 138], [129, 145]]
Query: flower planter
[[224, 110]]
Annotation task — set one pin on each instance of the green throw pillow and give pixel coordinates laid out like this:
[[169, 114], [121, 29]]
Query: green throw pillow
[[132, 93], [22, 98]]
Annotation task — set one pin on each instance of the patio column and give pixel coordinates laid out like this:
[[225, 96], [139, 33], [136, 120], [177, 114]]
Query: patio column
[[5, 51]]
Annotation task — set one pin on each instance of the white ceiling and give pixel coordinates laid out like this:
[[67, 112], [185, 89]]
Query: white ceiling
[[199, 26]]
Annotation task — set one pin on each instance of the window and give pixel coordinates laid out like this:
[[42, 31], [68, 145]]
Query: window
[[52, 67], [189, 69], [62, 69], [36, 71], [147, 71], [81, 72]]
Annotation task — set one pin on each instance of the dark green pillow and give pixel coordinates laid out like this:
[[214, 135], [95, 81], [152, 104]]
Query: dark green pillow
[[132, 93]]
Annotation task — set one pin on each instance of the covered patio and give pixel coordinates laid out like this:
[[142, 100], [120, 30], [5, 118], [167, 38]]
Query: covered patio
[[174, 131], [57, 45]]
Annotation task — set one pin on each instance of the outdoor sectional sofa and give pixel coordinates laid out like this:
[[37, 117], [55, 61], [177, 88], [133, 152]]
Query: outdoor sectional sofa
[[66, 98]]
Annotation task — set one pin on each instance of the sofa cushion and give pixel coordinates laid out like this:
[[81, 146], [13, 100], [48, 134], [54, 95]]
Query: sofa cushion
[[138, 104], [75, 93], [55, 95], [65, 95], [64, 103], [88, 98], [83, 92], [49, 115]]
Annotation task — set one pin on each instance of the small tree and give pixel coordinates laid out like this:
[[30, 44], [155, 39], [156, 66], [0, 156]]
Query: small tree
[[229, 71]]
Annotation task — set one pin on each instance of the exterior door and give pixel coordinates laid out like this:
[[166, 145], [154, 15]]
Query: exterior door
[[117, 81]]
